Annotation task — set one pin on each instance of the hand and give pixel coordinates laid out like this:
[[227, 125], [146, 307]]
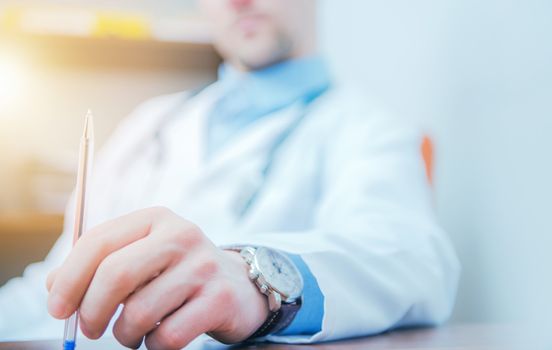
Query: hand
[[174, 283]]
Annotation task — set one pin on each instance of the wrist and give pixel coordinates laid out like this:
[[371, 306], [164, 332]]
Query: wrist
[[255, 304], [275, 276]]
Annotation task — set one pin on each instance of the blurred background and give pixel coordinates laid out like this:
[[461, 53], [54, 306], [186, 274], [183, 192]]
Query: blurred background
[[477, 75]]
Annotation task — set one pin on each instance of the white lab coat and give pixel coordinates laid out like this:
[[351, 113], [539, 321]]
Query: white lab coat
[[347, 190]]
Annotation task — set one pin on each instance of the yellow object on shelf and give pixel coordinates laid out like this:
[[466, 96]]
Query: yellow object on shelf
[[122, 26], [10, 19], [75, 22], [78, 21]]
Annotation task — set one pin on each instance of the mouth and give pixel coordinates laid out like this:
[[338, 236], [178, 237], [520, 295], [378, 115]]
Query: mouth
[[249, 24]]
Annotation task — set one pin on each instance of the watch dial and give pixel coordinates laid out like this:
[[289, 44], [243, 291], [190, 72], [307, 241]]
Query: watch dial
[[280, 272]]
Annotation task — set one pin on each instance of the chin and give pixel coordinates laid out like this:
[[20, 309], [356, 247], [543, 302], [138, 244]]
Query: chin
[[256, 63], [261, 56]]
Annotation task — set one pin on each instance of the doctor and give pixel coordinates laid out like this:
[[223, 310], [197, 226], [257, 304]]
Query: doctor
[[270, 205]]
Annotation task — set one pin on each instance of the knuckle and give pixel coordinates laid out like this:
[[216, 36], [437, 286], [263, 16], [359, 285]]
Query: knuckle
[[94, 241], [102, 247], [107, 267], [114, 273], [171, 338], [207, 269], [226, 295], [176, 229], [188, 235], [160, 211], [173, 251], [98, 235], [137, 316]]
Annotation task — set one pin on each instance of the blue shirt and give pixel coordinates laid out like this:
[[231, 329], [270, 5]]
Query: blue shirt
[[250, 96]]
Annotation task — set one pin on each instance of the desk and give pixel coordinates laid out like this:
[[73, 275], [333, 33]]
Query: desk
[[452, 337]]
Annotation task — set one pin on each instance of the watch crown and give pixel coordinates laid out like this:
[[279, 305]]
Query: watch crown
[[264, 288], [274, 301]]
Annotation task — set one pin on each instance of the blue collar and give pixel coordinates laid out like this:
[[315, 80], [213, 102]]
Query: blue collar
[[279, 85], [249, 96]]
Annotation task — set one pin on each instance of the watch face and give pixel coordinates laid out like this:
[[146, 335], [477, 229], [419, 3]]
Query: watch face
[[280, 272]]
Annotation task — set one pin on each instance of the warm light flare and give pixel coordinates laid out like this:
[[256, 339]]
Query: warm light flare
[[13, 78]]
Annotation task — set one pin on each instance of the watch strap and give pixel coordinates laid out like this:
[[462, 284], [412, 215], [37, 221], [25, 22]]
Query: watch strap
[[278, 320]]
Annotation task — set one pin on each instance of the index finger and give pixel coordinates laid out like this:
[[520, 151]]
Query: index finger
[[74, 276]]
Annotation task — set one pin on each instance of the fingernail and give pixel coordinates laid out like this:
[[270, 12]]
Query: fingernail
[[57, 306]]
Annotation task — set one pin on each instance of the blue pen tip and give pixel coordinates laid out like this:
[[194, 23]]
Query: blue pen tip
[[69, 345]]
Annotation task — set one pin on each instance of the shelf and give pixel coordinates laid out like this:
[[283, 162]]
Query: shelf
[[105, 52], [30, 223]]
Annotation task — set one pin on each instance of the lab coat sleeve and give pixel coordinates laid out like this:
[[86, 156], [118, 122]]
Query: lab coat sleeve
[[376, 250], [23, 312]]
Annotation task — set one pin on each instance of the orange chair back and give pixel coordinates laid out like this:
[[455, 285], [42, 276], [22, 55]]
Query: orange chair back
[[427, 154]]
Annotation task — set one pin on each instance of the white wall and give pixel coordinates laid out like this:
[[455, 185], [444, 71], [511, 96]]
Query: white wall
[[478, 75]]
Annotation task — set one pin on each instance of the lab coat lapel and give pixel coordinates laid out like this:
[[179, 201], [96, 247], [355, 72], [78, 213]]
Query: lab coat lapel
[[189, 166], [227, 181]]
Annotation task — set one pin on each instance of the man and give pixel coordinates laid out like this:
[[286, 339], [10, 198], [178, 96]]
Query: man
[[277, 207]]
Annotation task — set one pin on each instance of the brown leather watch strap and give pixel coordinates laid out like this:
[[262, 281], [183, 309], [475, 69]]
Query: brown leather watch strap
[[278, 320]]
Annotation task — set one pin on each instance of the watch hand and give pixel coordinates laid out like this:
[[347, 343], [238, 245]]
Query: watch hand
[[277, 266]]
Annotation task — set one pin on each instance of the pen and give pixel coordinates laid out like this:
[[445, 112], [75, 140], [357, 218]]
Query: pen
[[83, 173]]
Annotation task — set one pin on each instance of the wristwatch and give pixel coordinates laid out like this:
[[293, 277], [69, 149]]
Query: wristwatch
[[278, 278]]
